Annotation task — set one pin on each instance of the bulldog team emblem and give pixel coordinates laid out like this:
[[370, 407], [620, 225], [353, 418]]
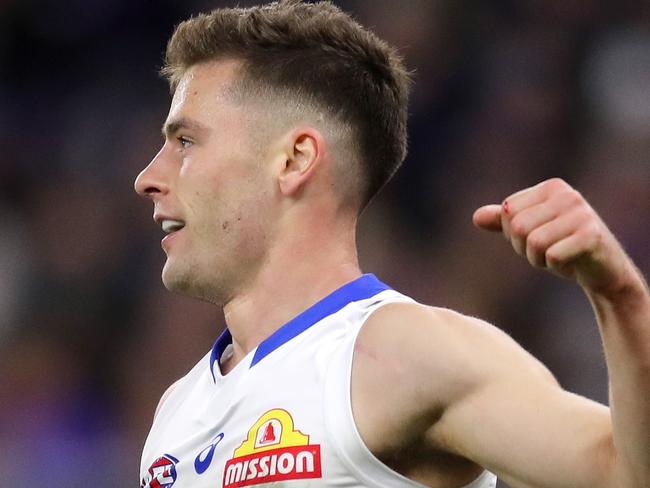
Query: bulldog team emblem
[[161, 474], [273, 451]]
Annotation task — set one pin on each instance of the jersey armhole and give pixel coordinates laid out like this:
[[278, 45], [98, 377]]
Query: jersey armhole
[[164, 397], [339, 420], [342, 429]]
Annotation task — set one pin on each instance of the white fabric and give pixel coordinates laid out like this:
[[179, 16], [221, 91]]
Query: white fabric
[[235, 430]]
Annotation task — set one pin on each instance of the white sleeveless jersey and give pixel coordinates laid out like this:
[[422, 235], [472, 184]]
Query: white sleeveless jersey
[[282, 416]]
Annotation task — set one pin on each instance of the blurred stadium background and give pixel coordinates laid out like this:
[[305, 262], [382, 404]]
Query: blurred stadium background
[[508, 92]]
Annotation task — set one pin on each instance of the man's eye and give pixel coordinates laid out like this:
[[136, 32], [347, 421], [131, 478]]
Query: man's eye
[[184, 142]]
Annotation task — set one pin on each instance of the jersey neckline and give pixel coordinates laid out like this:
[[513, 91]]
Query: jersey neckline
[[366, 286]]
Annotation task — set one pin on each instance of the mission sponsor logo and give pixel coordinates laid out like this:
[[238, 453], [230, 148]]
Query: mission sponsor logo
[[273, 451]]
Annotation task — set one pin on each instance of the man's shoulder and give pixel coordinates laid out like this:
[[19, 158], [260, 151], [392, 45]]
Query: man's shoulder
[[412, 344], [408, 327], [418, 314]]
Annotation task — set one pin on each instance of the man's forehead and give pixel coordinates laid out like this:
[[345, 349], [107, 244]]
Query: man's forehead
[[208, 78], [203, 87]]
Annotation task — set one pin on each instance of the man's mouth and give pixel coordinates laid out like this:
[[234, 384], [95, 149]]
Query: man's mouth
[[169, 226]]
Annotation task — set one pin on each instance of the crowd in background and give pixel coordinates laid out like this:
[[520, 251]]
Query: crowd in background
[[507, 93]]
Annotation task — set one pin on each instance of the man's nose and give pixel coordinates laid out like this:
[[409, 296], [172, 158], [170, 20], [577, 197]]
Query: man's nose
[[152, 181]]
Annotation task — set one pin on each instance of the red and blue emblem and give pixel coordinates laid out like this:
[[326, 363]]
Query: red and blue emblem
[[161, 474]]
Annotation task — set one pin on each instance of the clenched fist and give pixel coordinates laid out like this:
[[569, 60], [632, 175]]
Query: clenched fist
[[554, 227]]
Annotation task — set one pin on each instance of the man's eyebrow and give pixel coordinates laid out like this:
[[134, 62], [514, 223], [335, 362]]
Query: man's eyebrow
[[171, 127]]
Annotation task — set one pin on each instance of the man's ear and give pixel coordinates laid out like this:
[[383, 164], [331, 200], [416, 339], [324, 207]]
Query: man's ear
[[304, 152]]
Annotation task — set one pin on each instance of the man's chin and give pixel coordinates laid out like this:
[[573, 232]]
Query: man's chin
[[175, 281], [183, 284]]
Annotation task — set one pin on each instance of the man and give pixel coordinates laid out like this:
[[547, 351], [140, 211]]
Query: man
[[285, 121]]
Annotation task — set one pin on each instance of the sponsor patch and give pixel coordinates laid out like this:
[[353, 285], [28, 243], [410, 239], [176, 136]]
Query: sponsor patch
[[273, 451], [161, 474]]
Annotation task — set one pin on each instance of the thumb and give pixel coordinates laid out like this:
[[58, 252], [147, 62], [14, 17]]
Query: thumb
[[488, 217]]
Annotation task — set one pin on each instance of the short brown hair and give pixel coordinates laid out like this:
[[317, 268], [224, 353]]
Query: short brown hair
[[350, 73]]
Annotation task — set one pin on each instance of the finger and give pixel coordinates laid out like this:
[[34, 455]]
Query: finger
[[526, 221], [545, 236], [488, 217], [523, 199], [561, 256], [548, 198]]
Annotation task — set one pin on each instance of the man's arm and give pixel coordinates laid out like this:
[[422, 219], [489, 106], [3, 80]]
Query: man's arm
[[477, 394], [450, 383], [555, 228]]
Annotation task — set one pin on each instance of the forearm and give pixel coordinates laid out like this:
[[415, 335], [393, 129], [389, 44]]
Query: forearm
[[624, 320]]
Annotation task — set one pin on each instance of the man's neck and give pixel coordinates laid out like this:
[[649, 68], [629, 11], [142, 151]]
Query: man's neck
[[288, 284]]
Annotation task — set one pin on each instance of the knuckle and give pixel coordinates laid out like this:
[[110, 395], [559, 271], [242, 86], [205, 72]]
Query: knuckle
[[576, 197], [585, 214], [536, 242], [555, 184], [518, 227], [594, 235], [571, 197], [580, 218], [589, 228]]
